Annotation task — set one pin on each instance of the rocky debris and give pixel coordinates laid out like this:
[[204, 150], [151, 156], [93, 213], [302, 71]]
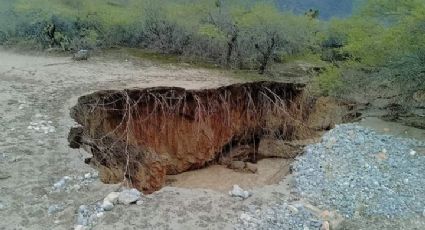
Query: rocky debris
[[112, 197], [243, 166], [196, 127], [4, 175], [271, 147], [74, 183], [325, 226], [88, 215], [239, 192], [251, 167], [81, 55], [40, 124], [237, 165], [279, 216], [107, 205], [80, 227], [342, 172], [55, 208], [129, 196]]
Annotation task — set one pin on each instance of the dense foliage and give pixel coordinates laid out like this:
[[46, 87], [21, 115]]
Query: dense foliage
[[238, 34]]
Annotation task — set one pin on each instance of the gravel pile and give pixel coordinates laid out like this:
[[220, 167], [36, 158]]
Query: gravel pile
[[360, 173]]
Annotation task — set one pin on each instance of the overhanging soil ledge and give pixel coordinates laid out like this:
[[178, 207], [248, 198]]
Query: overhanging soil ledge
[[141, 135]]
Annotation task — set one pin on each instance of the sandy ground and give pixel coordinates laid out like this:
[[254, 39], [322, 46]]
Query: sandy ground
[[43, 88], [220, 178]]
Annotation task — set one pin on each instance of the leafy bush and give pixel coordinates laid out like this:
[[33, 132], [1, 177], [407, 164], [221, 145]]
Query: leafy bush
[[329, 81]]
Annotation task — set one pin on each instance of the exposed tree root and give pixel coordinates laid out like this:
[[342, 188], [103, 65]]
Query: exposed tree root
[[141, 135]]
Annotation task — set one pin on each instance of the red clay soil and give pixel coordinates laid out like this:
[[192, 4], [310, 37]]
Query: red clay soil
[[142, 135]]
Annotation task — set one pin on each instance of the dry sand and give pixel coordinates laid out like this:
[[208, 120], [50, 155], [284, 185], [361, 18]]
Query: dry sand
[[43, 88]]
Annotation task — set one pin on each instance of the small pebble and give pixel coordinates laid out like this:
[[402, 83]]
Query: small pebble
[[129, 196], [112, 197], [107, 206], [87, 176]]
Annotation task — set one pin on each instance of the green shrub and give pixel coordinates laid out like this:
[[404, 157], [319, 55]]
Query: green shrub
[[329, 81]]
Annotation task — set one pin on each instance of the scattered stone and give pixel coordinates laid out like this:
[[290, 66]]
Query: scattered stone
[[412, 152], [129, 196], [237, 165], [60, 184], [41, 125], [4, 175], [107, 206], [251, 167], [381, 156], [245, 217], [81, 55], [55, 208], [325, 226], [293, 209], [80, 227], [112, 197], [87, 176], [239, 192], [76, 187], [279, 216]]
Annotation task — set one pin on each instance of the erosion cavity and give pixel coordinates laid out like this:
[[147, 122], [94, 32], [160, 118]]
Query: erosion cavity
[[141, 135]]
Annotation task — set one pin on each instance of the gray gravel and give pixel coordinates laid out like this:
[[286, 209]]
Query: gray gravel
[[360, 173], [279, 216]]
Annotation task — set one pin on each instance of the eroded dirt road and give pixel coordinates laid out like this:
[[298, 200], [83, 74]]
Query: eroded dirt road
[[36, 93]]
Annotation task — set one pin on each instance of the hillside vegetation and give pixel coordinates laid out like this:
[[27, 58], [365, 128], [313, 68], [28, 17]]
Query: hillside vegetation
[[381, 37]]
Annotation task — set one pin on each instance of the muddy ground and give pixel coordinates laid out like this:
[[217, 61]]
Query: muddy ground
[[36, 92]]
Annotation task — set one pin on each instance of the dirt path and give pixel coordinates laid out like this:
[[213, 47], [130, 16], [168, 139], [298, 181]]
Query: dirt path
[[36, 93]]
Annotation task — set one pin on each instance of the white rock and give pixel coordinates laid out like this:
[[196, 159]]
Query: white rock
[[245, 217], [239, 192], [293, 209], [76, 187], [412, 152], [95, 175], [129, 196], [112, 197], [384, 150], [139, 202], [79, 227], [100, 214], [60, 184], [107, 206], [87, 175]]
